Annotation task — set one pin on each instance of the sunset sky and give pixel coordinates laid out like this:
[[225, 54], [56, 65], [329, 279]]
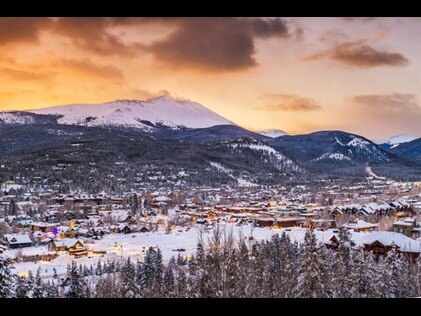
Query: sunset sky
[[361, 75]]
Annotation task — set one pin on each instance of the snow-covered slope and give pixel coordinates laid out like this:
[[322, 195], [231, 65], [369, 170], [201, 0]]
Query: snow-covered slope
[[272, 133], [137, 114], [395, 141]]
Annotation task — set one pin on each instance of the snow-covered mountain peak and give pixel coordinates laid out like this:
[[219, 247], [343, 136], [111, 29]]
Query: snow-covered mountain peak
[[272, 133], [395, 141], [162, 110]]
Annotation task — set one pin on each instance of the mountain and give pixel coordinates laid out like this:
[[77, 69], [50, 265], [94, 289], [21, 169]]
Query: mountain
[[146, 115], [395, 141], [211, 134], [272, 133], [411, 150], [332, 151], [118, 159]]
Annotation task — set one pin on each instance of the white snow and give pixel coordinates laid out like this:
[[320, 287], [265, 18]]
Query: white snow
[[15, 118], [120, 246], [129, 113], [220, 167], [246, 183], [358, 142], [272, 133], [334, 156], [395, 141]]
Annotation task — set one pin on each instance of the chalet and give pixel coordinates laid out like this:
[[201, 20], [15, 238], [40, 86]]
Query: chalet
[[66, 232], [143, 229], [290, 222], [124, 229], [265, 221], [18, 241], [42, 227], [73, 246], [52, 217], [404, 226], [360, 226], [380, 242]]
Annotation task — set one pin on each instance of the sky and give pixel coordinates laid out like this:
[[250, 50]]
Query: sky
[[300, 75]]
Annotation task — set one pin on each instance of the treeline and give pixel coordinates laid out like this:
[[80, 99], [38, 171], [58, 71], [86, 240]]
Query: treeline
[[227, 268]]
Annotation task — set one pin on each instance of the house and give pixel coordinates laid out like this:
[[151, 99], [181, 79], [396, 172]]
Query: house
[[360, 226], [42, 227], [18, 241], [265, 221], [380, 242], [73, 246], [66, 232], [290, 222], [124, 228], [143, 229], [405, 226]]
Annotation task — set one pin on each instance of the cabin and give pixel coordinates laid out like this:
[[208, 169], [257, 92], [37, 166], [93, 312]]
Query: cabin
[[381, 242], [404, 226], [73, 246], [18, 241], [265, 221], [124, 229], [360, 226], [42, 227], [290, 222]]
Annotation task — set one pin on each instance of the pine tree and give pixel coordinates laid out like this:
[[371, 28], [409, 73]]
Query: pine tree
[[38, 291], [169, 279], [7, 280], [128, 287], [181, 290], [76, 285], [51, 290], [22, 288], [311, 270], [98, 270]]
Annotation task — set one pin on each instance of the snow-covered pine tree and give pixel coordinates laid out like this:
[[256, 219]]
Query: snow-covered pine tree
[[38, 290], [22, 288], [128, 287], [7, 280], [51, 290], [169, 279], [310, 283], [75, 287]]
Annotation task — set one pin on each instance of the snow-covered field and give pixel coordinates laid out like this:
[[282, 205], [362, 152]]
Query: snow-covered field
[[119, 246]]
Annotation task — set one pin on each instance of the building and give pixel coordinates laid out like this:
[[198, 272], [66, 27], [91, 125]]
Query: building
[[404, 226], [73, 246], [18, 241], [360, 226]]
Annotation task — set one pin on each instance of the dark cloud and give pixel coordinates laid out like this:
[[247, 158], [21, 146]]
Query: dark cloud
[[212, 43], [359, 54], [216, 43], [288, 102], [15, 30], [395, 102], [88, 67]]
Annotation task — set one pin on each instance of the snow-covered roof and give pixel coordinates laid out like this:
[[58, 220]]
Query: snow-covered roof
[[360, 224], [16, 239], [388, 239], [66, 242]]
